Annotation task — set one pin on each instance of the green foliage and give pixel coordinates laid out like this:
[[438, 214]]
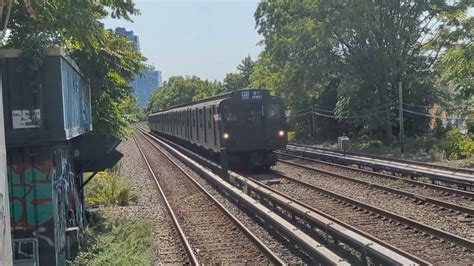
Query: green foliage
[[291, 135], [470, 124], [57, 22], [111, 63], [355, 53], [456, 68], [117, 241], [241, 79], [457, 145], [106, 189], [108, 61], [178, 90]]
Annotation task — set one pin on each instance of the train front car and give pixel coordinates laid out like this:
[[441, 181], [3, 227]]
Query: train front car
[[254, 125]]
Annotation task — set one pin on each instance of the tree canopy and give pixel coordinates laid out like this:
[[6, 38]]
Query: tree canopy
[[241, 79], [179, 89], [347, 57]]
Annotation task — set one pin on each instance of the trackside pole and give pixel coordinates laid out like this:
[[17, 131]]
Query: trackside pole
[[223, 152], [224, 164], [400, 116]]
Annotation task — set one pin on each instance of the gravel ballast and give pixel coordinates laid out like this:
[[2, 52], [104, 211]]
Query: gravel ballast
[[166, 247]]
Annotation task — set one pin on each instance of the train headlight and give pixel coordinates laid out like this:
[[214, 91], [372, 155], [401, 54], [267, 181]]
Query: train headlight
[[281, 133], [225, 136]]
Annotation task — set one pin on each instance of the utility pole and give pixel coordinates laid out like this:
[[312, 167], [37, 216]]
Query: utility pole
[[313, 123], [400, 115]]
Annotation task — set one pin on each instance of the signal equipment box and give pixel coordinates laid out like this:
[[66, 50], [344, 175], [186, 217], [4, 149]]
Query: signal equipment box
[[45, 101]]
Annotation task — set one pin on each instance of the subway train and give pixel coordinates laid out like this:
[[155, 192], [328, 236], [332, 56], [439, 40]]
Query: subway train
[[247, 124]]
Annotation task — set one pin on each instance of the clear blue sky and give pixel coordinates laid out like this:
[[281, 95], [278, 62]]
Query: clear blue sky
[[195, 37]]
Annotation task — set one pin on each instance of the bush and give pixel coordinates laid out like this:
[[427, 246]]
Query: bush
[[117, 241], [105, 188], [437, 154], [456, 145], [370, 145], [291, 136]]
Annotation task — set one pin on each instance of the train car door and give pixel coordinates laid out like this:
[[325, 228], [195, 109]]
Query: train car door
[[197, 126], [190, 132], [204, 118], [181, 123], [214, 124]]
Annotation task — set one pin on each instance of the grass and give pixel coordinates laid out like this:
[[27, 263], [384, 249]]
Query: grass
[[106, 189], [109, 239], [420, 149], [116, 241]]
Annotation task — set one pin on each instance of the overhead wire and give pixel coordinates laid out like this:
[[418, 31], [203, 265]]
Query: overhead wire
[[309, 111], [436, 116], [441, 107]]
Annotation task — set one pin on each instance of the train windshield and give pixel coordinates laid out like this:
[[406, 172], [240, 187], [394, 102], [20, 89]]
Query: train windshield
[[273, 111], [253, 114]]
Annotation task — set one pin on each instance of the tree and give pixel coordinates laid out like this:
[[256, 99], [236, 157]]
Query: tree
[[111, 63], [359, 51], [240, 80], [107, 60], [179, 90], [456, 65]]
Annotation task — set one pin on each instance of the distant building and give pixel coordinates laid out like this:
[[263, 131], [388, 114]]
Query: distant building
[[144, 83], [149, 79], [130, 36]]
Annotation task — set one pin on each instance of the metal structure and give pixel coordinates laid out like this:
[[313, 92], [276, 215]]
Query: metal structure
[[248, 123], [47, 111], [49, 104], [462, 178]]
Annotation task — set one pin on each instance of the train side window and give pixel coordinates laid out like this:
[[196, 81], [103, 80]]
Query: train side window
[[190, 124], [197, 129], [209, 123], [214, 124], [204, 118], [201, 118]]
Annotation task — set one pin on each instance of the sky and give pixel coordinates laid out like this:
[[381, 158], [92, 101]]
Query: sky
[[195, 37]]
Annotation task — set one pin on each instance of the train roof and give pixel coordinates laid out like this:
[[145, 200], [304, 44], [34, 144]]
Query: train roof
[[211, 100]]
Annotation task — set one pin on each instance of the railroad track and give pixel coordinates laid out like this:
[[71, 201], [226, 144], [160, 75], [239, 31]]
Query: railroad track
[[209, 232], [457, 177], [424, 164], [448, 216], [428, 243], [454, 199], [334, 232]]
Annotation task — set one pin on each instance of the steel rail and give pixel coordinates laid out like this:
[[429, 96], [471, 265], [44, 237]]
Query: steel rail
[[430, 200], [461, 180], [426, 164], [187, 245], [334, 226], [306, 211], [461, 193], [270, 254], [461, 241]]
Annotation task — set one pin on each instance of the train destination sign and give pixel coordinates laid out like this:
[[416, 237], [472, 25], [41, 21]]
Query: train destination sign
[[251, 95]]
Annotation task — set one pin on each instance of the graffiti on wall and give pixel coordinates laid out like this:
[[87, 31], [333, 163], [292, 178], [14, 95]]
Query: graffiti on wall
[[44, 201], [31, 205], [31, 194]]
